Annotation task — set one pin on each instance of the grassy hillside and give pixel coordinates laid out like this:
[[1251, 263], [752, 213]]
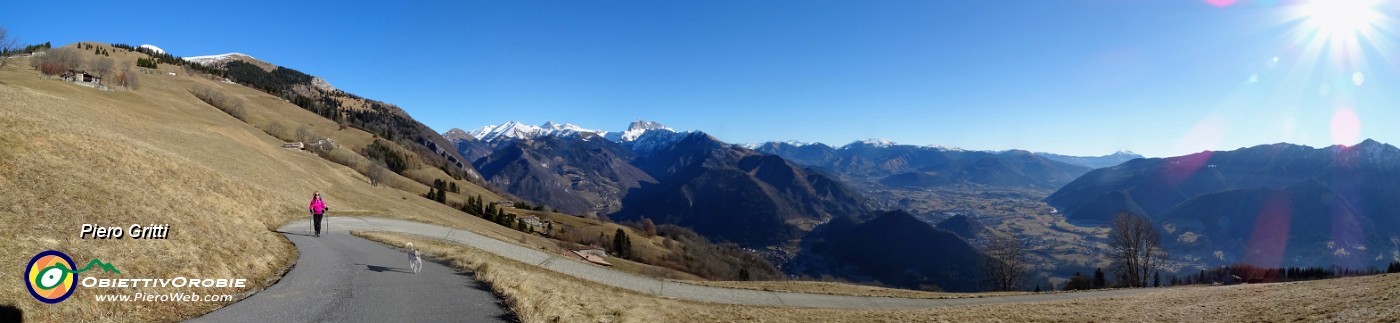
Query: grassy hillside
[[71, 155]]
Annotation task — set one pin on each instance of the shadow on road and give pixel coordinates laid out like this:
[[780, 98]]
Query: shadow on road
[[304, 234], [380, 269], [479, 285], [509, 315]]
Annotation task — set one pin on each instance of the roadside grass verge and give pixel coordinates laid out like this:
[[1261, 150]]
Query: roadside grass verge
[[539, 295], [835, 288]]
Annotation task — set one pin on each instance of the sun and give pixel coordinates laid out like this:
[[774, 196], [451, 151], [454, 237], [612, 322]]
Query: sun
[[1341, 18]]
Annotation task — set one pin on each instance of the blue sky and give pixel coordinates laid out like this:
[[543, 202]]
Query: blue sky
[[1076, 77]]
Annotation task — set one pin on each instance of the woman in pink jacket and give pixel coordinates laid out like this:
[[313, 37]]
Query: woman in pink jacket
[[318, 208]]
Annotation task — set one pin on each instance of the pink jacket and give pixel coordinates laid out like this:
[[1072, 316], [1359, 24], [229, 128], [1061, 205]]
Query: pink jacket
[[318, 206]]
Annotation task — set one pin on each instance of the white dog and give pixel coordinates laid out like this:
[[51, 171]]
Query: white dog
[[415, 259]]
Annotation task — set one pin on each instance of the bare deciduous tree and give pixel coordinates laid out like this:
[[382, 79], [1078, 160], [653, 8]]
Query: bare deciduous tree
[[276, 129], [649, 227], [102, 66], [1006, 264], [304, 134], [377, 174], [6, 44], [127, 79], [37, 59], [1136, 248], [66, 57], [229, 104]]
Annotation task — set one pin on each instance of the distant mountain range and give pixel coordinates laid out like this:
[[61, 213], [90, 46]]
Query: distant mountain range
[[568, 174], [1269, 205], [722, 191], [916, 167], [733, 193], [1109, 160], [785, 195]]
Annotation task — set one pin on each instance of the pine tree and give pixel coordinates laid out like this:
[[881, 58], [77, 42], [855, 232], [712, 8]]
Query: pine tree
[[622, 246], [1099, 281], [1078, 282]]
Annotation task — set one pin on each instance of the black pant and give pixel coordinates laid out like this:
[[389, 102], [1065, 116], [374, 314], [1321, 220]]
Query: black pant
[[316, 219]]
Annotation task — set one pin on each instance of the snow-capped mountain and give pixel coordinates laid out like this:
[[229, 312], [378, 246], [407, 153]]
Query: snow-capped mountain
[[645, 137], [945, 148], [153, 48], [653, 140], [214, 59], [875, 142], [636, 129], [641, 136], [512, 130]]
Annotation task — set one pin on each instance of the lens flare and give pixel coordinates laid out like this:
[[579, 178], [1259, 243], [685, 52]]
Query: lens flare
[[1346, 127], [1341, 18], [1221, 3], [1269, 238]]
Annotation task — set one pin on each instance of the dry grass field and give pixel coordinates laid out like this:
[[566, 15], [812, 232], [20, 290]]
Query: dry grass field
[[71, 155], [543, 296], [834, 288]]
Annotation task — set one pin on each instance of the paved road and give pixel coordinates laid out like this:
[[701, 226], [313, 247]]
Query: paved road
[[343, 278], [674, 289]]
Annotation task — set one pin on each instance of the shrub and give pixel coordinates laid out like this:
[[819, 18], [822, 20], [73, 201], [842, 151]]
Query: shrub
[[61, 60], [127, 79], [229, 104], [377, 174], [345, 157], [276, 129]]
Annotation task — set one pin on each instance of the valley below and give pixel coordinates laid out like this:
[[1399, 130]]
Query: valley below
[[1057, 248]]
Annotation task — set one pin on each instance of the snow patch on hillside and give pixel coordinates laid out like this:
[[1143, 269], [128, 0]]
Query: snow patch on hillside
[[153, 48], [215, 59]]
